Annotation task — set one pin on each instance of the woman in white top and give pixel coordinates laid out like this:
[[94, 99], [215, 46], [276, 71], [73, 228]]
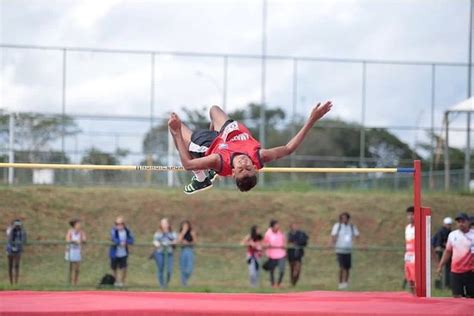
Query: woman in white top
[[75, 237]]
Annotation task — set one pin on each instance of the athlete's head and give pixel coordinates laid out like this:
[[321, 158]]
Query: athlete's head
[[344, 218], [410, 214], [244, 172], [462, 219], [274, 225]]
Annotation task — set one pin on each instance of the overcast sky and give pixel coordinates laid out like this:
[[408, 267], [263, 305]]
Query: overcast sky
[[104, 83]]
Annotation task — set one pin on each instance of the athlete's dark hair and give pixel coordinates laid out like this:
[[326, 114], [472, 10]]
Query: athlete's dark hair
[[254, 235], [344, 214], [246, 183], [410, 209], [73, 222], [182, 226]]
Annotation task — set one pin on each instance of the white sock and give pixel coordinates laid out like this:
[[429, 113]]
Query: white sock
[[200, 175]]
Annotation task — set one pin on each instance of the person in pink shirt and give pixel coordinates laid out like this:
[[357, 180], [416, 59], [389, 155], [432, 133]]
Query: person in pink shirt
[[460, 247], [275, 241]]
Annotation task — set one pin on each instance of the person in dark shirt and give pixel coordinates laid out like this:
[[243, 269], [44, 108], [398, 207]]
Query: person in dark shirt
[[187, 239], [16, 236], [438, 242], [297, 239]]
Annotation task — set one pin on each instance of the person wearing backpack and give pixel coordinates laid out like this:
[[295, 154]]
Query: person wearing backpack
[[16, 239], [121, 238], [342, 235], [297, 240]]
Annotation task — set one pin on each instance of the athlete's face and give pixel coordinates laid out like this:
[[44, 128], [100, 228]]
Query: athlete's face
[[410, 217], [243, 167], [463, 224]]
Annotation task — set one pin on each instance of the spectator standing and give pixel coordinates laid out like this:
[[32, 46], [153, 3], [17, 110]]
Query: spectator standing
[[187, 240], [460, 247], [410, 249], [342, 234], [253, 241], [16, 239], [297, 240], [121, 237], [75, 237], [275, 242], [164, 241], [438, 243]]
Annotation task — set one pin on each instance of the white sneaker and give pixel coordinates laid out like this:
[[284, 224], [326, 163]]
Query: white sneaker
[[118, 284], [342, 286]]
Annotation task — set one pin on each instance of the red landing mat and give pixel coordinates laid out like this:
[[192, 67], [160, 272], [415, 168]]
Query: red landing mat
[[107, 303]]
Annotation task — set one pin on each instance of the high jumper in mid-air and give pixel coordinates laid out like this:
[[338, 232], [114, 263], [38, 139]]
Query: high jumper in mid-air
[[227, 148]]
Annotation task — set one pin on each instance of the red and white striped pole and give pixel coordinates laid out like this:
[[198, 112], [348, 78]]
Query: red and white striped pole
[[422, 238]]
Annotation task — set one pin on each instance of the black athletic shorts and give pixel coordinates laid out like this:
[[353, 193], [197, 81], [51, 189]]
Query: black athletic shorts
[[295, 255], [202, 139], [118, 263], [344, 260], [462, 284]]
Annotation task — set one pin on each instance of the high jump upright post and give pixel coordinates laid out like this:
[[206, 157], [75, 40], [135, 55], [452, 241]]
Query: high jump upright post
[[422, 238]]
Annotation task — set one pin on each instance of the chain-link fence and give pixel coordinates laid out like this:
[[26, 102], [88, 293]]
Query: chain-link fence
[[117, 123], [217, 267]]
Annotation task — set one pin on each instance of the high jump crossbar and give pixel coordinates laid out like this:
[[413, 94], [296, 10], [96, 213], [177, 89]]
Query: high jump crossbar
[[179, 169], [422, 214]]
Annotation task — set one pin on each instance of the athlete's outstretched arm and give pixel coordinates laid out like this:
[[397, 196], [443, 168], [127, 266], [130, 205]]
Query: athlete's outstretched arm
[[208, 162], [278, 152]]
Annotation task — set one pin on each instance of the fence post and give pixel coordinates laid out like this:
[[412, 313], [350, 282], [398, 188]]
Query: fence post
[[11, 150]]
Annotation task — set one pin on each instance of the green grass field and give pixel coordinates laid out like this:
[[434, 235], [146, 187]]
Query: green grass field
[[219, 216]]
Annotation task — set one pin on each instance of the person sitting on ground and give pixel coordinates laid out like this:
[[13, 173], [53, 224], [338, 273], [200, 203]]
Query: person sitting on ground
[[228, 149], [121, 237], [75, 237], [460, 247], [16, 239]]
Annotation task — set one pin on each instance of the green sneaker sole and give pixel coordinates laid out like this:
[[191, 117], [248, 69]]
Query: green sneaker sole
[[199, 190]]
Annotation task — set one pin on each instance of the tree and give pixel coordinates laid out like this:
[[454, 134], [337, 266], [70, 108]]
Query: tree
[[95, 156], [35, 133]]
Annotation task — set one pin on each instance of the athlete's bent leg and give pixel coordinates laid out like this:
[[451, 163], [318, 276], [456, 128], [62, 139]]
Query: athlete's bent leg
[[218, 118]]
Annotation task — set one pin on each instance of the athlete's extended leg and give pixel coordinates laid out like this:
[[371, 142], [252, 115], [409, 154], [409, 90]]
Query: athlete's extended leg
[[218, 118]]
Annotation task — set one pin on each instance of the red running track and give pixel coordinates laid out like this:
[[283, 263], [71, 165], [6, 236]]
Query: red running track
[[116, 303]]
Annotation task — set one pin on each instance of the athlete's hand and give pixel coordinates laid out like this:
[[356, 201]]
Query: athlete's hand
[[319, 111], [174, 123], [438, 270]]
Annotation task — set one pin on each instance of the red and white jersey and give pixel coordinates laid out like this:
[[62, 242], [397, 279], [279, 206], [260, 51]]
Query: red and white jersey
[[462, 246], [410, 243], [236, 139]]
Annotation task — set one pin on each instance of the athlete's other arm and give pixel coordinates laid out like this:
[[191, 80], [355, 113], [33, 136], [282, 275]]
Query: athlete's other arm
[[318, 112], [208, 162], [444, 259]]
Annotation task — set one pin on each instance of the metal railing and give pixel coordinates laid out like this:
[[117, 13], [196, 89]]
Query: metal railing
[[217, 267]]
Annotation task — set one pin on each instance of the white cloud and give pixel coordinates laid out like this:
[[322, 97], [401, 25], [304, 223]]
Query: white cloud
[[86, 13]]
